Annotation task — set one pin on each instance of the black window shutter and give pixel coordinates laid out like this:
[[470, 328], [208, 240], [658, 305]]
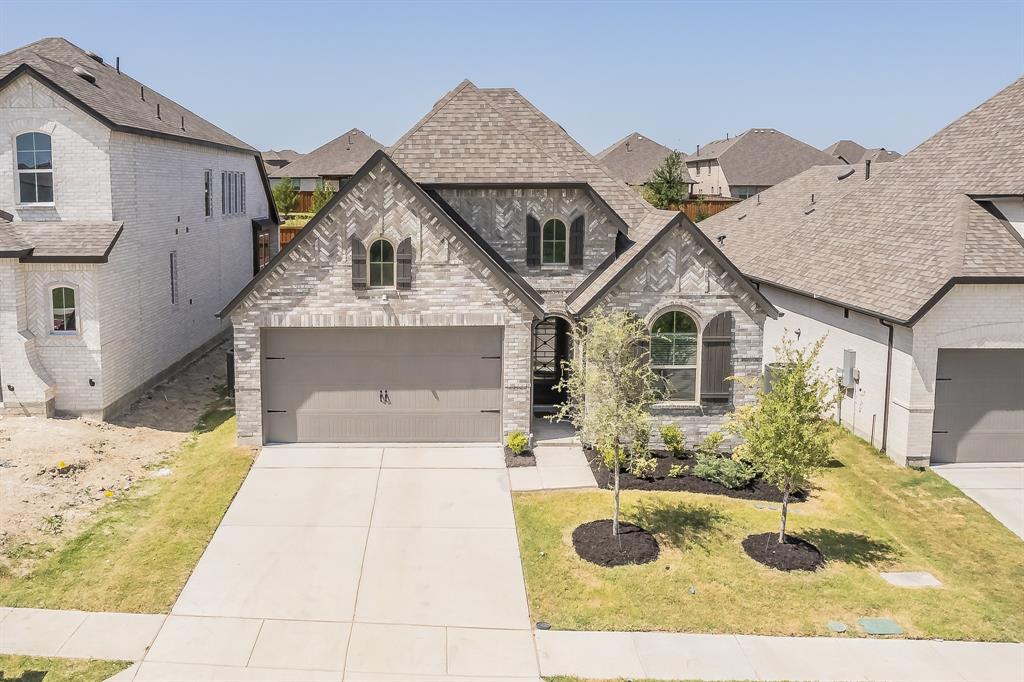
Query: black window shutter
[[716, 360], [532, 241], [576, 231], [359, 280], [403, 278]]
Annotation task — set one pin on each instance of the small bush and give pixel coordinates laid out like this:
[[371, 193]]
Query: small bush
[[676, 470], [723, 470], [674, 440], [711, 443], [643, 466], [517, 442]]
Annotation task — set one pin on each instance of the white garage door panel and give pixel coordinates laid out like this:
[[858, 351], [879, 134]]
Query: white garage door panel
[[438, 384], [979, 406]]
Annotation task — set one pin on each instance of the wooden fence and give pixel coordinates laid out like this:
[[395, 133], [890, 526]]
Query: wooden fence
[[288, 233], [708, 206], [304, 203]]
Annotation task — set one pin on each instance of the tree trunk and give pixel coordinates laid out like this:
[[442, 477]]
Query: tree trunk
[[615, 493], [785, 512]]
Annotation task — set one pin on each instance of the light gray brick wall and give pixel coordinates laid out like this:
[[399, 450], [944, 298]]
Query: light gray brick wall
[[679, 274], [452, 286], [31, 386]]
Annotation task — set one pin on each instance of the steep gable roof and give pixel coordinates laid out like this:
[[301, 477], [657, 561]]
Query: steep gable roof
[[343, 155], [288, 155], [762, 157], [850, 152], [634, 158], [890, 244], [116, 99]]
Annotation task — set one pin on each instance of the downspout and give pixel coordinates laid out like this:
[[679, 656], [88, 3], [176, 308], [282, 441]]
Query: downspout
[[888, 383]]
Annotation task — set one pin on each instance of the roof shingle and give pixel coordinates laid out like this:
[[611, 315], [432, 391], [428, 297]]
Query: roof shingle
[[343, 156]]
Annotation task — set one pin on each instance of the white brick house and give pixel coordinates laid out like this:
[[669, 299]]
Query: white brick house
[[917, 267], [431, 299], [126, 223]]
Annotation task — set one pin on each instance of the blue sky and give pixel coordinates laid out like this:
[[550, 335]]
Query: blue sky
[[291, 74]]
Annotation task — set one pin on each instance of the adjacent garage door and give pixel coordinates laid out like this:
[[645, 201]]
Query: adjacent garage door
[[388, 384], [979, 406]]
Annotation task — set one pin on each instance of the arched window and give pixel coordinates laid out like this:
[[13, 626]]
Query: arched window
[[553, 242], [35, 168], [63, 312], [674, 354], [382, 264]]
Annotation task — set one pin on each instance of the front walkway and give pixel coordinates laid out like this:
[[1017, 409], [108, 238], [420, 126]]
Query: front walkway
[[998, 487], [368, 561]]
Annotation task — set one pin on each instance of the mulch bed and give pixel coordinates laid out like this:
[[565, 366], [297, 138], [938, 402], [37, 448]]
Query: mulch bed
[[526, 459], [595, 543], [757, 490], [796, 555]]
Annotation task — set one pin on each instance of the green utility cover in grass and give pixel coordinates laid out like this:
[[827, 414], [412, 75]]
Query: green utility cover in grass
[[836, 626], [880, 626]]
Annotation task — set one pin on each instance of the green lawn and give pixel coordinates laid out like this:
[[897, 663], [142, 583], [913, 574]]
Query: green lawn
[[35, 669], [140, 550], [866, 515]]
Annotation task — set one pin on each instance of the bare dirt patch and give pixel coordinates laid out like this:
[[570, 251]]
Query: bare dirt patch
[[54, 473]]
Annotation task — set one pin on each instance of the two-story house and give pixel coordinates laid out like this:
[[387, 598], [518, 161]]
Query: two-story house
[[432, 299], [126, 223]]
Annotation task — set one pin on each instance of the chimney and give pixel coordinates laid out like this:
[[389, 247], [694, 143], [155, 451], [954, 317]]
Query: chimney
[[698, 150], [867, 169], [118, 62], [142, 92], [182, 122], [158, 109]]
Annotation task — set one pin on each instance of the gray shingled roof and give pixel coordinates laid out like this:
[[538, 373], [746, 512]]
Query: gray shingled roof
[[761, 157], [115, 98], [880, 155], [287, 155], [634, 158], [889, 244], [58, 241], [850, 152], [343, 155]]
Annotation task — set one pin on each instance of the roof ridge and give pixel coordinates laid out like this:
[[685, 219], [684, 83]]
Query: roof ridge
[[614, 145], [434, 110]]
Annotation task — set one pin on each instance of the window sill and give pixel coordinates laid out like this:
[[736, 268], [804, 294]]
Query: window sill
[[39, 205], [671, 404]]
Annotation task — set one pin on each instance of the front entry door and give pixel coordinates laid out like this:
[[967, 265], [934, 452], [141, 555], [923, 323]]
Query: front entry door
[[551, 350]]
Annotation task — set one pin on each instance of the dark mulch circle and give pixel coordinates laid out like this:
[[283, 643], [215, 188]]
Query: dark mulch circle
[[796, 555], [757, 490], [595, 543], [526, 459]]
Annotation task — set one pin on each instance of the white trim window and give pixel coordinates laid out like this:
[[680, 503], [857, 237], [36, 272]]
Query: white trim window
[[63, 312], [174, 277], [382, 264], [35, 168], [675, 354], [208, 193], [554, 243], [232, 192]]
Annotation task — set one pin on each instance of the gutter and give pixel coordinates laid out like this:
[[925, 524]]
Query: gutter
[[888, 382]]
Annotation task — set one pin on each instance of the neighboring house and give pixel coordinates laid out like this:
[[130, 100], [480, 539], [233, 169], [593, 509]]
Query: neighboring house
[[275, 160], [916, 276], [741, 166], [126, 223], [850, 152], [432, 298], [332, 163], [634, 158]]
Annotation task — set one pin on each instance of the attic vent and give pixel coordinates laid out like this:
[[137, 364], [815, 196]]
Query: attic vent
[[93, 56], [721, 239], [84, 74], [845, 175]]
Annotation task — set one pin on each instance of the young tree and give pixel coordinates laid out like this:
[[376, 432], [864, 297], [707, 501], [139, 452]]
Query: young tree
[[285, 195], [667, 187], [609, 387], [321, 195], [787, 437]]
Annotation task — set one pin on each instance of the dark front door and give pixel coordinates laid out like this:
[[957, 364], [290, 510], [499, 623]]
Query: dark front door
[[551, 350]]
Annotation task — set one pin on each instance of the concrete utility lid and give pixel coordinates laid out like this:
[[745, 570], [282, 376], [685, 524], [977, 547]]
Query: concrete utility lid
[[836, 626], [911, 579], [880, 626]]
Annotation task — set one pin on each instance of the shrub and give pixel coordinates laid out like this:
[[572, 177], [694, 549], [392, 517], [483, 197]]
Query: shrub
[[642, 466], [517, 442], [711, 443], [723, 470], [674, 440], [676, 470]]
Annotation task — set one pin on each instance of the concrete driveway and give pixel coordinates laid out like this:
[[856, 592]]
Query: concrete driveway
[[999, 488], [357, 563]]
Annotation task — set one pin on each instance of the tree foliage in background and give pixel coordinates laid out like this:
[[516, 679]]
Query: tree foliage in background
[[609, 387], [667, 187], [787, 437], [285, 194], [321, 195]]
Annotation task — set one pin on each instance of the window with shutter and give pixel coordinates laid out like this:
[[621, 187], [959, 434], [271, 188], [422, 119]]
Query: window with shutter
[[403, 277], [359, 279], [716, 360], [674, 354], [576, 231], [532, 241]]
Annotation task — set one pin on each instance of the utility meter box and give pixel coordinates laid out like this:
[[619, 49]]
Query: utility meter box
[[849, 375]]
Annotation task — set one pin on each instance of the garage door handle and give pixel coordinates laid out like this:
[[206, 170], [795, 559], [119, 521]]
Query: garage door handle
[[490, 357], [940, 431], [491, 411], [272, 358], [276, 411]]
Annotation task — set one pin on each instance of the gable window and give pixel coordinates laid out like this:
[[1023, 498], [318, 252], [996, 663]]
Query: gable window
[[382, 264], [63, 309], [232, 192], [674, 354], [208, 193], [553, 242], [35, 168]]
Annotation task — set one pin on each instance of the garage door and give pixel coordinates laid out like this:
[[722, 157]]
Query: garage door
[[979, 406], [439, 384]]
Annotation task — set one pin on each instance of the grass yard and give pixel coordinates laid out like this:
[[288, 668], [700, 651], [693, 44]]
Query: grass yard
[[865, 515], [140, 550], [35, 669]]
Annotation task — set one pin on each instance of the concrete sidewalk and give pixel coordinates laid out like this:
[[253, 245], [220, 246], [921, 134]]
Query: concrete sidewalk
[[77, 634]]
